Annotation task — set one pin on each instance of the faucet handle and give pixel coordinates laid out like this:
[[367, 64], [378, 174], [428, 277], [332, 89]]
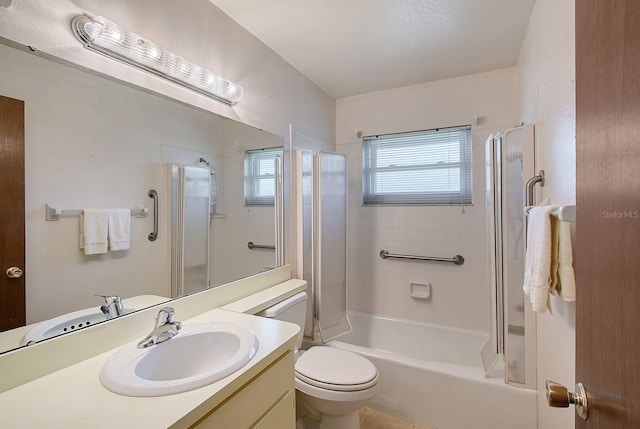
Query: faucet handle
[[165, 316], [112, 306], [111, 299], [164, 330]]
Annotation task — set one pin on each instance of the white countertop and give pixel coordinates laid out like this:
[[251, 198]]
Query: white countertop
[[258, 301], [73, 397]]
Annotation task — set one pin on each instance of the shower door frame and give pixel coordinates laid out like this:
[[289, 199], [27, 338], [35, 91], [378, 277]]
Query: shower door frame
[[314, 274], [506, 299]]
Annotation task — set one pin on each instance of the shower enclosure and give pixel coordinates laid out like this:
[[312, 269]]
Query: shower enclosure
[[510, 162], [322, 240]]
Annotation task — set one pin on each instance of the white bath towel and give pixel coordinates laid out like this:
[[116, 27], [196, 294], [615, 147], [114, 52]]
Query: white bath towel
[[538, 257], [93, 231], [119, 229], [563, 282]]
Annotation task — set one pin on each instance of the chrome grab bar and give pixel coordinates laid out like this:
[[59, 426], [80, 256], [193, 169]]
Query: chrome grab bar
[[252, 246], [153, 236], [458, 260], [528, 196]]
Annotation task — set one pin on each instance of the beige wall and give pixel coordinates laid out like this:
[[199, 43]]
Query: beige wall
[[547, 85]]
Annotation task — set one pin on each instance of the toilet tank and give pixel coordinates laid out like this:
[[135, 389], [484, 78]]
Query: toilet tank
[[292, 309]]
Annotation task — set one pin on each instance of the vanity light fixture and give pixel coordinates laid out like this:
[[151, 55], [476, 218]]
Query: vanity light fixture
[[103, 36]]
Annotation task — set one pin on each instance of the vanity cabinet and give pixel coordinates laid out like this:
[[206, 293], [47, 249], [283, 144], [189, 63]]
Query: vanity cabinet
[[266, 402], [261, 395]]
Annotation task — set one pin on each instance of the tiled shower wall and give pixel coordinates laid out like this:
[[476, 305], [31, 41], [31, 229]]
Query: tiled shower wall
[[459, 294]]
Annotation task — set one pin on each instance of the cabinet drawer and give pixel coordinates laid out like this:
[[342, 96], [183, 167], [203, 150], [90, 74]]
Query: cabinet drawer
[[281, 416], [249, 404]]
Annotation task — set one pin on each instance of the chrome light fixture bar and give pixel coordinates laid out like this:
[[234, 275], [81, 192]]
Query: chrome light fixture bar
[[105, 37]]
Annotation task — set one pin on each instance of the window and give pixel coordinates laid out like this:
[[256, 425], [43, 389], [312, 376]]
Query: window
[[259, 176], [421, 167]]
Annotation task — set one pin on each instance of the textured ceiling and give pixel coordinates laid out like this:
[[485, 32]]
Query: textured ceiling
[[350, 47]]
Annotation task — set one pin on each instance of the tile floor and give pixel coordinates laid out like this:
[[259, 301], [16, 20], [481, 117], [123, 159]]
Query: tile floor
[[374, 419]]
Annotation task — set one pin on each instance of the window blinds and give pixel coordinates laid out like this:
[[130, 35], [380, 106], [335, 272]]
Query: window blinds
[[259, 176], [421, 167]]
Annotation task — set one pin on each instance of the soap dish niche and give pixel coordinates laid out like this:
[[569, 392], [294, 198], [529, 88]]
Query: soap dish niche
[[421, 291]]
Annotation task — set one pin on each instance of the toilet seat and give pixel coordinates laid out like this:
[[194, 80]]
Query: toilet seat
[[335, 370], [334, 395]]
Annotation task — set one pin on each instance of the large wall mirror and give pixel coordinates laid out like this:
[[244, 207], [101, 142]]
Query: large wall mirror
[[91, 142]]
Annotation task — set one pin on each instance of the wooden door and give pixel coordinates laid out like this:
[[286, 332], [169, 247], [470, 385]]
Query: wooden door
[[12, 247], [608, 211]]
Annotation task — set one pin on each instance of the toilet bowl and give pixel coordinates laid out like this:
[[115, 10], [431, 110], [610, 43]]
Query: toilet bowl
[[332, 385]]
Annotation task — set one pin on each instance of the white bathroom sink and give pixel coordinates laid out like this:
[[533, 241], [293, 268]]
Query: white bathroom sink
[[66, 323], [201, 353]]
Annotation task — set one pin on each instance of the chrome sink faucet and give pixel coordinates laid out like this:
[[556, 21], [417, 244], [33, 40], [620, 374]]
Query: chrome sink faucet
[[164, 330], [112, 307]]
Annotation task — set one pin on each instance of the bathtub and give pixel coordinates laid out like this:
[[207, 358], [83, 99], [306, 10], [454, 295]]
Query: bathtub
[[433, 375]]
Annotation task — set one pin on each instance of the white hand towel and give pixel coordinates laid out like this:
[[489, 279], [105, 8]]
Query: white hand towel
[[538, 257], [565, 281], [119, 229], [94, 230]]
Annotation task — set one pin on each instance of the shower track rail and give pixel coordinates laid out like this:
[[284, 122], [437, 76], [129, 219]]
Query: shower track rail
[[457, 260]]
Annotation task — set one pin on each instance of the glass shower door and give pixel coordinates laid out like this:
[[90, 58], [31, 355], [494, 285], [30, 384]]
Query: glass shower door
[[517, 168], [509, 164], [306, 241], [331, 245], [190, 197]]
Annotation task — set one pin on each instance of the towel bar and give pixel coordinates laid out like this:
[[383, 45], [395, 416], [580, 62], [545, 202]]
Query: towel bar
[[564, 213], [54, 213]]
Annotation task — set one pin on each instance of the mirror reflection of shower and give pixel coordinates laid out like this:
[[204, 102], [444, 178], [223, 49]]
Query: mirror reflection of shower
[[213, 188]]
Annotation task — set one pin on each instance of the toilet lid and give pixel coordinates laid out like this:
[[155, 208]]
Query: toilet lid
[[335, 369]]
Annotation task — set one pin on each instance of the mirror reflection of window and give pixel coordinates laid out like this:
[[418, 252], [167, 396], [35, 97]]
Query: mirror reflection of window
[[259, 176]]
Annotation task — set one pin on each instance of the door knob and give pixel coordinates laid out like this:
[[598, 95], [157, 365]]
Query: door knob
[[559, 396], [14, 273]]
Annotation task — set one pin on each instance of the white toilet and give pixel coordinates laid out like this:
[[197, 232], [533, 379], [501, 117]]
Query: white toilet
[[332, 385]]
